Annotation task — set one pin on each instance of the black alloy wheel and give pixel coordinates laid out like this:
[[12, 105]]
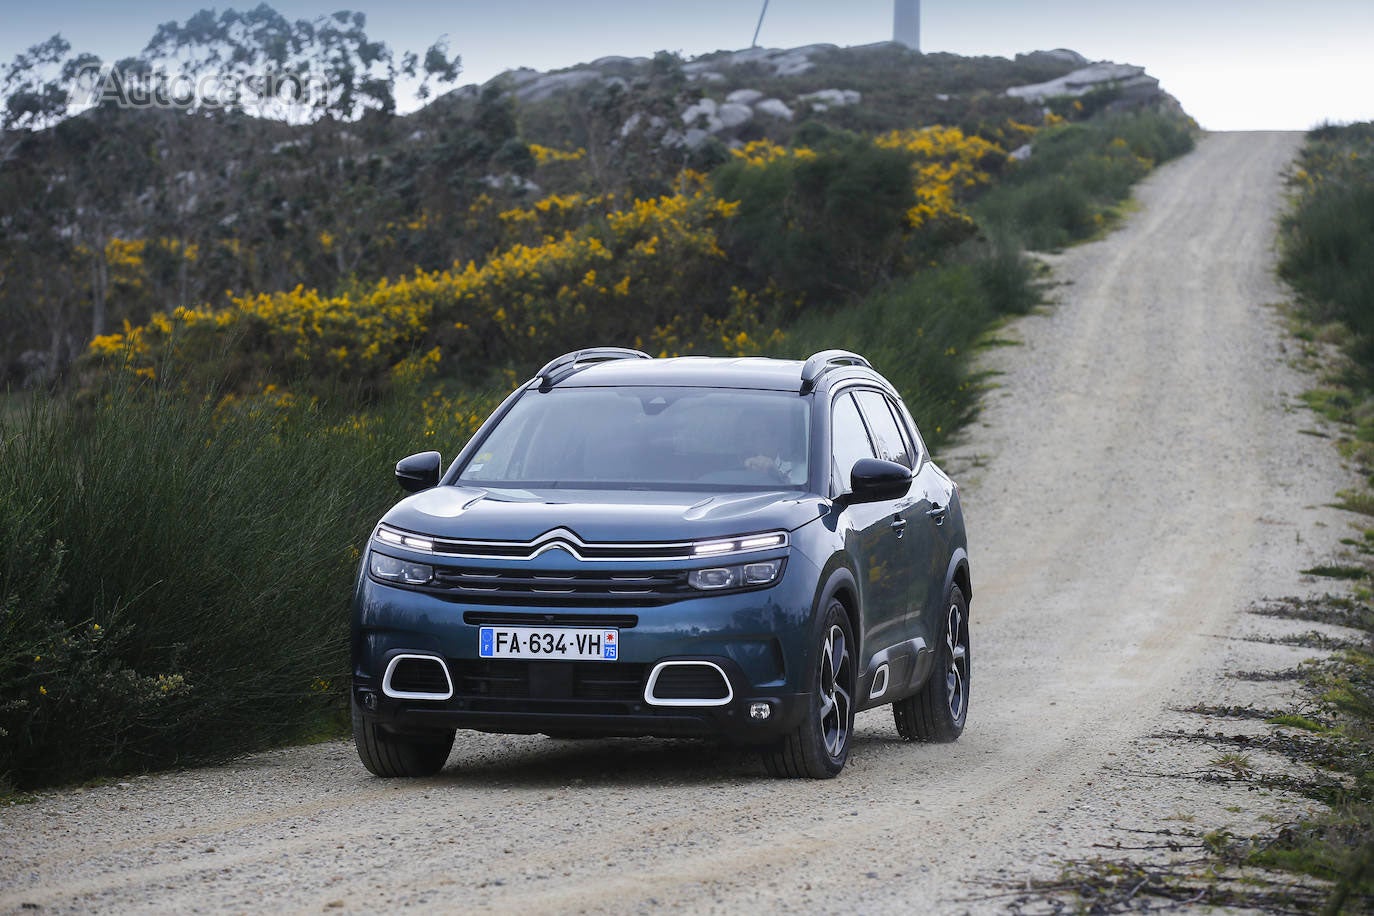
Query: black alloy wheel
[[938, 712], [819, 746]]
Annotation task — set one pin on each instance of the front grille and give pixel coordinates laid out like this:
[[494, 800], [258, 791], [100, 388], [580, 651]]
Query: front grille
[[481, 585], [517, 619], [512, 679]]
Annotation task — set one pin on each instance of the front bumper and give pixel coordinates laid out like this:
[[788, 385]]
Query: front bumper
[[756, 640], [557, 700]]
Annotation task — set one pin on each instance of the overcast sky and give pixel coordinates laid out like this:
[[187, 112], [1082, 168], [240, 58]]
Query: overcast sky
[[1234, 64]]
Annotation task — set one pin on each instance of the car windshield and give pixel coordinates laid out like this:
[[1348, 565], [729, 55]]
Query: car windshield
[[647, 438]]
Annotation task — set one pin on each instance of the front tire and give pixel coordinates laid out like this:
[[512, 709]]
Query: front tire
[[819, 746], [939, 710], [390, 756]]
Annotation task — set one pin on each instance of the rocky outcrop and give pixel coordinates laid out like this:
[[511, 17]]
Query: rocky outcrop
[[1131, 81], [1063, 55], [549, 83], [823, 99], [779, 61], [532, 86], [708, 118], [732, 118], [775, 108], [744, 96]]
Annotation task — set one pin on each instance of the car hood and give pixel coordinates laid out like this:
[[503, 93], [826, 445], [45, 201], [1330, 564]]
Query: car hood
[[600, 515]]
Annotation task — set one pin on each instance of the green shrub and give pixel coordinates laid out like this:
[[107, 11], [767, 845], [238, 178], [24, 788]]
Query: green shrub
[[1328, 238], [1077, 174], [920, 331], [176, 578], [1046, 214], [822, 227]]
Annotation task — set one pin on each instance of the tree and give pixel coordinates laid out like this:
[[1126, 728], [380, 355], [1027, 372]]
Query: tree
[[307, 70]]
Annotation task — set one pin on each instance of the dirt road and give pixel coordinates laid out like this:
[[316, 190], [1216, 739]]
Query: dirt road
[[1136, 482]]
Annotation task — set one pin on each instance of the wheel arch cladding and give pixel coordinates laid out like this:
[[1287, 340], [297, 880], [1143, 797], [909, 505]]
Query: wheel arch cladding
[[959, 575], [841, 586]]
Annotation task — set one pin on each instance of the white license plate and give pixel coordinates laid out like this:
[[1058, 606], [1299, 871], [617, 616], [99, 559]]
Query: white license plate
[[564, 643]]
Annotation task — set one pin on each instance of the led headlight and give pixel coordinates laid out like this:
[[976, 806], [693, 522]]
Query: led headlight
[[746, 575], [390, 535], [394, 570], [740, 545]]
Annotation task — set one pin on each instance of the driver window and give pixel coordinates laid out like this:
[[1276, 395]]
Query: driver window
[[892, 445], [848, 440]]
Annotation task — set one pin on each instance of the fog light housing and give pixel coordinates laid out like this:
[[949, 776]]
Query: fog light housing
[[367, 699], [760, 711]]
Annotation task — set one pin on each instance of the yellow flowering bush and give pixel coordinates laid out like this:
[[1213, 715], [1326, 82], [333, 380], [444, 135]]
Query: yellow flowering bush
[[572, 269], [762, 152], [741, 331], [543, 155], [552, 215], [947, 165], [610, 273]]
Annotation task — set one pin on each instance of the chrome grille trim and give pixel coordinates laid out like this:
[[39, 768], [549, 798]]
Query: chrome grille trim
[[585, 551]]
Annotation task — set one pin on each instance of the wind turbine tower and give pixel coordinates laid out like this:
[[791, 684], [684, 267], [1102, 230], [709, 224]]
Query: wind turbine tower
[[906, 23]]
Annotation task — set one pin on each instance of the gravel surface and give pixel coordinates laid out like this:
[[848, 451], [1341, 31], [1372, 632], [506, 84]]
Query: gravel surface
[[1136, 482]]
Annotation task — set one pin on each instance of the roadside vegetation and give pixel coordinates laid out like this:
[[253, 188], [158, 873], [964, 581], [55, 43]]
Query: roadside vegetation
[[1324, 864], [181, 508], [1328, 257], [1074, 184]]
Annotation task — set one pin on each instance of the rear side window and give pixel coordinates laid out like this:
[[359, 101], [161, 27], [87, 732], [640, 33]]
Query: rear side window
[[848, 439], [888, 440]]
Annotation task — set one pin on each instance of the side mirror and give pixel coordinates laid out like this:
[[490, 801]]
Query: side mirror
[[872, 480], [419, 472]]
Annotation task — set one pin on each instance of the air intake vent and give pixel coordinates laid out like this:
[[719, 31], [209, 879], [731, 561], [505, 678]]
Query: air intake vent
[[512, 679], [688, 684], [417, 677]]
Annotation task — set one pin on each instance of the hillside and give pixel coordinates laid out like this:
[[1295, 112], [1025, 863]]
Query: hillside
[[276, 312], [121, 212]]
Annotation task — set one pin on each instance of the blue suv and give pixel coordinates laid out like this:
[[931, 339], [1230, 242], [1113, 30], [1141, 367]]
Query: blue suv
[[744, 549]]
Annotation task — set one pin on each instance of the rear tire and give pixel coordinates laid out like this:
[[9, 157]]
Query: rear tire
[[390, 756], [939, 710], [819, 746]]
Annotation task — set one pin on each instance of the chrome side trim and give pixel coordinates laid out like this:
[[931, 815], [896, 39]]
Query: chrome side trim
[[879, 682], [415, 695], [659, 701], [881, 664]]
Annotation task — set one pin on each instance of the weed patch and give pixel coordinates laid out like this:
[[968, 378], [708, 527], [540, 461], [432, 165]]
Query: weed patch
[[1321, 865], [1337, 571]]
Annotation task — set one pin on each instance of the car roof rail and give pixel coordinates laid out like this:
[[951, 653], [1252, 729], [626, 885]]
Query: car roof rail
[[556, 370], [821, 363]]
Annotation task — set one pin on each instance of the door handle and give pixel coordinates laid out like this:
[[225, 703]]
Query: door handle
[[939, 513], [899, 525]]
